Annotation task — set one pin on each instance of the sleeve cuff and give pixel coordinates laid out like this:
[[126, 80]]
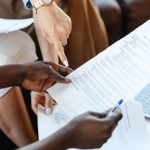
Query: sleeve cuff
[[27, 4]]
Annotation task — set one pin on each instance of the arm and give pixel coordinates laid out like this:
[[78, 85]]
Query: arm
[[11, 75], [36, 76], [58, 141], [87, 131], [55, 26]]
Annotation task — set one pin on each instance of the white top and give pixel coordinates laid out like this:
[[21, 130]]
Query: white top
[[16, 47]]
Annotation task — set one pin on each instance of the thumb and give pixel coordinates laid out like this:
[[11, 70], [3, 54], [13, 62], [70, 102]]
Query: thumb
[[39, 76], [57, 77], [114, 116], [48, 103]]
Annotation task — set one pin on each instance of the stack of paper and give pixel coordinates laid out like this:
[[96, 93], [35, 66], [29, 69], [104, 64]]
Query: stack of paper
[[119, 72]]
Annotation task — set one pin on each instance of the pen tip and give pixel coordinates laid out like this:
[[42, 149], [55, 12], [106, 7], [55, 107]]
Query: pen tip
[[120, 102]]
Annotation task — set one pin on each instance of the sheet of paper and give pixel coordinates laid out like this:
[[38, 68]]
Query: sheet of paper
[[9, 25], [117, 73], [131, 132], [125, 136], [148, 126]]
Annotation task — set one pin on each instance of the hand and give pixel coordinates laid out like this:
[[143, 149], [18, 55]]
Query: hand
[[43, 99], [55, 26], [91, 130], [41, 75]]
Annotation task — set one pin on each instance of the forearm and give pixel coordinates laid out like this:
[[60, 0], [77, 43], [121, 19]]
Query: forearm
[[57, 141], [11, 75], [47, 49]]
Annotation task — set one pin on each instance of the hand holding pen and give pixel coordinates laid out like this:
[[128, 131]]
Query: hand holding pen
[[92, 129], [120, 102]]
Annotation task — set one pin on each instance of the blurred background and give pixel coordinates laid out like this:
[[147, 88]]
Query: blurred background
[[119, 18]]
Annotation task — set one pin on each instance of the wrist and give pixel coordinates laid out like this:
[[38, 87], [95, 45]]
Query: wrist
[[37, 4], [21, 73], [61, 139], [12, 75], [68, 137]]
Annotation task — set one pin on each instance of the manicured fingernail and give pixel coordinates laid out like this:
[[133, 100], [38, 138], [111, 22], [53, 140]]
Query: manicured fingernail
[[48, 111], [66, 63], [67, 80]]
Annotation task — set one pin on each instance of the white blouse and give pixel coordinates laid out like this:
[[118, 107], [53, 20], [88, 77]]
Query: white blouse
[[16, 47]]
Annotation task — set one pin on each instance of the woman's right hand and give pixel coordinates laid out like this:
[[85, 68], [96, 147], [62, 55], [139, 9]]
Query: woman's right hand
[[91, 129], [55, 26]]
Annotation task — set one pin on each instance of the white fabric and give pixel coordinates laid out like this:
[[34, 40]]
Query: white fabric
[[16, 47]]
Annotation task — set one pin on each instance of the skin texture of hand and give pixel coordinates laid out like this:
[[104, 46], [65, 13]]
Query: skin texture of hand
[[87, 131], [41, 75], [55, 26], [92, 130], [41, 98]]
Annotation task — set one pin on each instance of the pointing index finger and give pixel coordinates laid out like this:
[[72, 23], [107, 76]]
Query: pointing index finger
[[57, 77]]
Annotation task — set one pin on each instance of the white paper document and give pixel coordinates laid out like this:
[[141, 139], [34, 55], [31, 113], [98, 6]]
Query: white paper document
[[119, 72], [9, 25], [130, 134]]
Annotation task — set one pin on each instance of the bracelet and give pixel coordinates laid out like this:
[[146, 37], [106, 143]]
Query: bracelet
[[41, 3]]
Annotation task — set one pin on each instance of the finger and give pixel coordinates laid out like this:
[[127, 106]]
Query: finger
[[48, 101], [36, 98], [64, 18], [33, 104], [67, 28], [55, 68], [70, 26], [54, 102], [61, 34], [39, 95], [60, 51], [100, 115], [59, 68], [58, 48], [107, 111], [57, 77], [65, 70], [49, 82], [114, 117]]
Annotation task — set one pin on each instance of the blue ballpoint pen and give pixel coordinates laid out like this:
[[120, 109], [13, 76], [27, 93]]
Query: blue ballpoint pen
[[118, 105]]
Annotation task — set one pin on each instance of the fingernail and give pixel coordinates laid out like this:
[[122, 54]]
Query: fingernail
[[54, 102], [67, 80], [66, 63], [48, 111]]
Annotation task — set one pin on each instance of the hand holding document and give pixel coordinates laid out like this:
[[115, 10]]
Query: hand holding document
[[9, 25], [119, 72]]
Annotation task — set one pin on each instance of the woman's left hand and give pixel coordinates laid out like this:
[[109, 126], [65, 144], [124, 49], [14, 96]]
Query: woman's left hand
[[39, 76]]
